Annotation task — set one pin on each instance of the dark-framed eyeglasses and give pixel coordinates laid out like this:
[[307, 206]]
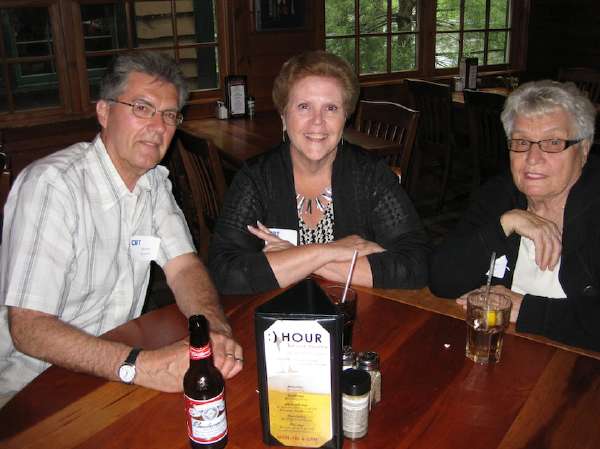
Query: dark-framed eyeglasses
[[546, 145], [141, 109]]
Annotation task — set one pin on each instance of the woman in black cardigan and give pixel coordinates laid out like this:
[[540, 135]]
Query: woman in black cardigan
[[543, 221], [305, 206]]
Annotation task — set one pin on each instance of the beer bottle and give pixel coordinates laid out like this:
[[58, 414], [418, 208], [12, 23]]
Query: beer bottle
[[204, 390]]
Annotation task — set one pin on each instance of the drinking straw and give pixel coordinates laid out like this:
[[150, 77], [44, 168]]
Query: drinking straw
[[488, 285], [350, 271]]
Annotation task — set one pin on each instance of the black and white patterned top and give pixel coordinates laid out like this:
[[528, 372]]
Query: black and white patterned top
[[322, 233]]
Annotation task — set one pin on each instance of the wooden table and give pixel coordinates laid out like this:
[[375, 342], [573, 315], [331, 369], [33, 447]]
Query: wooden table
[[433, 397], [458, 98], [239, 138]]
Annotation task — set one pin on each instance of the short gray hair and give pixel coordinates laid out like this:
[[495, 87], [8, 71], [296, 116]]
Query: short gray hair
[[150, 63], [546, 96]]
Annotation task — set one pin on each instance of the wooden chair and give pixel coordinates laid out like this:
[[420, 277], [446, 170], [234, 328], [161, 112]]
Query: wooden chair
[[199, 185], [587, 79], [5, 181], [394, 123], [435, 138], [486, 134]]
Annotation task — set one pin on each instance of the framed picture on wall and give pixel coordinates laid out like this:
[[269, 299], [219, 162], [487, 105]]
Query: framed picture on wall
[[235, 95], [280, 14]]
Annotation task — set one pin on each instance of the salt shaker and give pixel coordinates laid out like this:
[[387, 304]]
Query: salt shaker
[[348, 358], [369, 362]]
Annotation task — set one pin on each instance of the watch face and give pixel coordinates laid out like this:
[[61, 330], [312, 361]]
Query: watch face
[[127, 373]]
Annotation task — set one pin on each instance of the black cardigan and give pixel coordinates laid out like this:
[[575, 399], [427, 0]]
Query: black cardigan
[[368, 201], [461, 262]]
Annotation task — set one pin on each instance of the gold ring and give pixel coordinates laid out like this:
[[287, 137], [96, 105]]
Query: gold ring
[[239, 359], [229, 354]]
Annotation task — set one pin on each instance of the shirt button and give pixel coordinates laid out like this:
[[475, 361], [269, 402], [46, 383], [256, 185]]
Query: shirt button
[[589, 290]]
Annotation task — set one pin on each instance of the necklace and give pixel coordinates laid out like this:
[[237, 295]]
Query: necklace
[[304, 204]]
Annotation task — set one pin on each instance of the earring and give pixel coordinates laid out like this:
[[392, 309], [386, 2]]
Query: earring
[[283, 135]]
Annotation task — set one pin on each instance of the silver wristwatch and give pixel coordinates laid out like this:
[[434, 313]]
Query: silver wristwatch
[[127, 369]]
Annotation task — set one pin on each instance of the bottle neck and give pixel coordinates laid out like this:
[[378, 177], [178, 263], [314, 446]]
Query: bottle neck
[[200, 350]]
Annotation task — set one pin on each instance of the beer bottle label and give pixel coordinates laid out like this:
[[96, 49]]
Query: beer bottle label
[[207, 421], [200, 353]]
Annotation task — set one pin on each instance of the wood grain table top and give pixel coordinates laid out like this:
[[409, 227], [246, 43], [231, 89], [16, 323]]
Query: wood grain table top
[[538, 396]]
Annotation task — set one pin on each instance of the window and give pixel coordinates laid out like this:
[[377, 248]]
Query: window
[[388, 37], [48, 65], [376, 36], [472, 28]]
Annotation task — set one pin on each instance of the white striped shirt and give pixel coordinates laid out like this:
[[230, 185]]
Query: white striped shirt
[[65, 251]]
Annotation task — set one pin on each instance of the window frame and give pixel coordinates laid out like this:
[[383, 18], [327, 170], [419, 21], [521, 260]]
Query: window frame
[[426, 35], [71, 68]]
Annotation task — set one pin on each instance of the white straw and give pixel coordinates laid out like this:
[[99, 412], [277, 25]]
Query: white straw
[[350, 271]]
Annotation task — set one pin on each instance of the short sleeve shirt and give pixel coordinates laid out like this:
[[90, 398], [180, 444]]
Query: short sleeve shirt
[[68, 223]]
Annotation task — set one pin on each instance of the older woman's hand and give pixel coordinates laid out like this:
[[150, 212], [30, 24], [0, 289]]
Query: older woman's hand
[[516, 299], [272, 242], [545, 234]]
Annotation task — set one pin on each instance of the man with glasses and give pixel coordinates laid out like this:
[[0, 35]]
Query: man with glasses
[[542, 221], [81, 227]]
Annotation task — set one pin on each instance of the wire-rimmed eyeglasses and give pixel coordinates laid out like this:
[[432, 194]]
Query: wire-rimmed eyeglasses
[[546, 145], [142, 109]]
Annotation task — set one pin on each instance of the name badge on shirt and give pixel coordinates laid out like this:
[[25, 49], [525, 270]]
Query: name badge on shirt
[[289, 235], [144, 247], [499, 267]]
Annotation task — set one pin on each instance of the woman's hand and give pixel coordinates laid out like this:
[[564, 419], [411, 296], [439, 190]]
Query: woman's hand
[[345, 247], [545, 234], [516, 299], [272, 242]]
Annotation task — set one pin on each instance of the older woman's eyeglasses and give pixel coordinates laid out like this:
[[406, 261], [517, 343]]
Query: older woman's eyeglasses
[[547, 145], [142, 109]]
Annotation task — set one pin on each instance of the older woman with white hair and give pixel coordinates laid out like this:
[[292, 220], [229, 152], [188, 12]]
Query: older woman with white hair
[[543, 222]]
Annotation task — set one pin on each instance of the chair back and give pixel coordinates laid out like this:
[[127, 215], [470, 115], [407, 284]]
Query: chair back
[[199, 185], [391, 122], [5, 181], [587, 79], [434, 102], [486, 133], [435, 138]]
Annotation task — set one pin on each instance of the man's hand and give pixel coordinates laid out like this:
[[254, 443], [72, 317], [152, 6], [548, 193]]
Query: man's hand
[[545, 234], [227, 354]]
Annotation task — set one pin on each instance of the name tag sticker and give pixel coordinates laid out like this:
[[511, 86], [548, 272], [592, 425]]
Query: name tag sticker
[[144, 247], [289, 235], [499, 267]]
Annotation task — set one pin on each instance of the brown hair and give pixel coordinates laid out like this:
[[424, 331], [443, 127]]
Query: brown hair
[[316, 63]]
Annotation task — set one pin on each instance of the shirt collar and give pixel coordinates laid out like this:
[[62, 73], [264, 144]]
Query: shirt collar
[[110, 185]]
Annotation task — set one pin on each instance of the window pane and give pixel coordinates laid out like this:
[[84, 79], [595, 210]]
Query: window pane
[[404, 52], [404, 15], [34, 85], [195, 21], [343, 48], [473, 46], [497, 47], [474, 14], [153, 24], [499, 17], [199, 66], [373, 16], [27, 32], [446, 50], [103, 26], [373, 55], [339, 17], [448, 15], [96, 67]]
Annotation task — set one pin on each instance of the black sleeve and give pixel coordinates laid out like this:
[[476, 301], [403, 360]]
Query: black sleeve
[[461, 262], [397, 228], [235, 258]]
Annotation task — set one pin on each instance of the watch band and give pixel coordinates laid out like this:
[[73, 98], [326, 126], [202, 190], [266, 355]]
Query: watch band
[[132, 357]]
